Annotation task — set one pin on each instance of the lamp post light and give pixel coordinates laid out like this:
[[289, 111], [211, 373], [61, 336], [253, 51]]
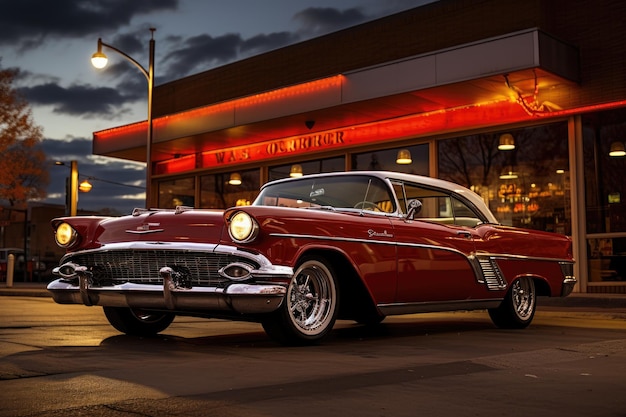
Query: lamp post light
[[72, 187], [99, 60]]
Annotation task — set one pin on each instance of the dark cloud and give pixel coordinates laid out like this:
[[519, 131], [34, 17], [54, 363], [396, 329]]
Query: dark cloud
[[77, 100], [67, 150], [111, 181], [263, 43], [24, 77], [203, 51], [132, 43], [24, 24], [316, 21]]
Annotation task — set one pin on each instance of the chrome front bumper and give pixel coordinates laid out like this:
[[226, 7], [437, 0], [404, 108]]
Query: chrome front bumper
[[234, 294], [238, 298]]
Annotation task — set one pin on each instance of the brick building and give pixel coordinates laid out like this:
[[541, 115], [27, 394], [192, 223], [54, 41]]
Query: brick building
[[448, 82]]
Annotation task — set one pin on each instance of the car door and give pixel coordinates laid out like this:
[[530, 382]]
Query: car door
[[433, 250]]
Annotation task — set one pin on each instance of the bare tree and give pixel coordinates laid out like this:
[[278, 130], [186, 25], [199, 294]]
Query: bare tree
[[470, 160], [23, 175]]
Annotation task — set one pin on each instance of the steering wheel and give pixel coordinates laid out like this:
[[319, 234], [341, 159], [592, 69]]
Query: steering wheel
[[367, 205]]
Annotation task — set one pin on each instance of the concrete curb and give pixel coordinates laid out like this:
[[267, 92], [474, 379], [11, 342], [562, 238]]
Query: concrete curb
[[20, 289], [579, 300]]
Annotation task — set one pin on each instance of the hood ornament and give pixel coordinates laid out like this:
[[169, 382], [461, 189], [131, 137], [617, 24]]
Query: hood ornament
[[146, 228]]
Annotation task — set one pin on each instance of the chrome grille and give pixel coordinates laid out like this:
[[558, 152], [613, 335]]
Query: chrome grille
[[492, 274], [142, 266]]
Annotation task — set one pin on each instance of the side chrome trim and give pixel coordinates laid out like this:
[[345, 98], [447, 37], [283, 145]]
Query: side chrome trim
[[392, 309], [368, 241], [569, 280], [417, 245], [523, 257], [487, 272]]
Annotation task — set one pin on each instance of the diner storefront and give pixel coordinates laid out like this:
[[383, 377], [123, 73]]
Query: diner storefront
[[519, 116]]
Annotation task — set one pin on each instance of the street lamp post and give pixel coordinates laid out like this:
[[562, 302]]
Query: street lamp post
[[72, 187], [99, 60]]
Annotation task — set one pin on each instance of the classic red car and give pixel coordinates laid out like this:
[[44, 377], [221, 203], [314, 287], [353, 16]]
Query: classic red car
[[309, 251]]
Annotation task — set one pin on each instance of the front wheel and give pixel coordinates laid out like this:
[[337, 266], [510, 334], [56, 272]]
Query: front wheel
[[138, 322], [309, 310], [518, 307]]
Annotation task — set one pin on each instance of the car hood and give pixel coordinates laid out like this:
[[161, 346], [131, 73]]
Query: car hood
[[197, 226]]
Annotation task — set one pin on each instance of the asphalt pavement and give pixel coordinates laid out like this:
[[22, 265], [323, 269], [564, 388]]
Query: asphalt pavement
[[575, 300]]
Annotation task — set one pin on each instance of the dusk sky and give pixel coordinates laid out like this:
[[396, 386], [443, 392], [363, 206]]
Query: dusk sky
[[51, 43]]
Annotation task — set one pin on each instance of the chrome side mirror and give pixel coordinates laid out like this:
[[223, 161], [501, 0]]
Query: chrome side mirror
[[413, 208]]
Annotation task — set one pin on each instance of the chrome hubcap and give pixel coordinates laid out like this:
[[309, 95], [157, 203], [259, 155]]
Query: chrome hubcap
[[523, 293], [311, 297]]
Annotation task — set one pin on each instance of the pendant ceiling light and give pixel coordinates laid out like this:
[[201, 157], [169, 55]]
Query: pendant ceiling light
[[617, 149], [296, 171], [404, 157], [506, 143], [235, 179]]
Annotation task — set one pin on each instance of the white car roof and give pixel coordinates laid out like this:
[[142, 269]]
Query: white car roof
[[466, 193]]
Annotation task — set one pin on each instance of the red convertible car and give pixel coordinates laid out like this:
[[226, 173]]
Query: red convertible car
[[353, 245]]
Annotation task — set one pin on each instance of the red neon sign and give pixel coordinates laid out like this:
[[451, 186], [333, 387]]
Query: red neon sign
[[399, 128]]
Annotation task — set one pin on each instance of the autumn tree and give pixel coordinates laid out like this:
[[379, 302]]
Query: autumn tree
[[23, 174]]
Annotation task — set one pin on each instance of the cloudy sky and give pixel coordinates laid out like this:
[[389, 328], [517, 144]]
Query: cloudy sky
[[51, 43]]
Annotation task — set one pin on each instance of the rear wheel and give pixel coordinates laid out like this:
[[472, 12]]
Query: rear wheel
[[310, 308], [518, 307], [138, 322]]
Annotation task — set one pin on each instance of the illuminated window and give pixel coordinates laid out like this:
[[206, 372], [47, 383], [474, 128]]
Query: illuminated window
[[605, 188], [385, 160], [220, 191], [528, 186], [178, 192], [336, 164], [605, 196]]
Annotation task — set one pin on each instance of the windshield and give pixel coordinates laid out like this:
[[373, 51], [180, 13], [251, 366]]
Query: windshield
[[355, 192]]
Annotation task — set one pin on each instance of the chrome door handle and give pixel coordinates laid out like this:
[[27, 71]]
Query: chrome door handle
[[463, 233]]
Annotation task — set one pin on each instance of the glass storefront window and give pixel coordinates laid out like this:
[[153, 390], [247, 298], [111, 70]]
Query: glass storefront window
[[229, 189], [336, 164], [385, 160], [605, 195], [605, 186], [178, 192], [607, 259], [527, 186]]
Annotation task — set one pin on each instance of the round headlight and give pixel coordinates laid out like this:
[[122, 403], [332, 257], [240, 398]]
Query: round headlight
[[242, 228], [65, 235]]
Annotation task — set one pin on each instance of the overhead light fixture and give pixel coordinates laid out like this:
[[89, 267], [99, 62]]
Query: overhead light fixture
[[617, 149], [507, 142], [296, 171], [85, 186], [99, 59], [508, 175], [404, 157], [235, 179]]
